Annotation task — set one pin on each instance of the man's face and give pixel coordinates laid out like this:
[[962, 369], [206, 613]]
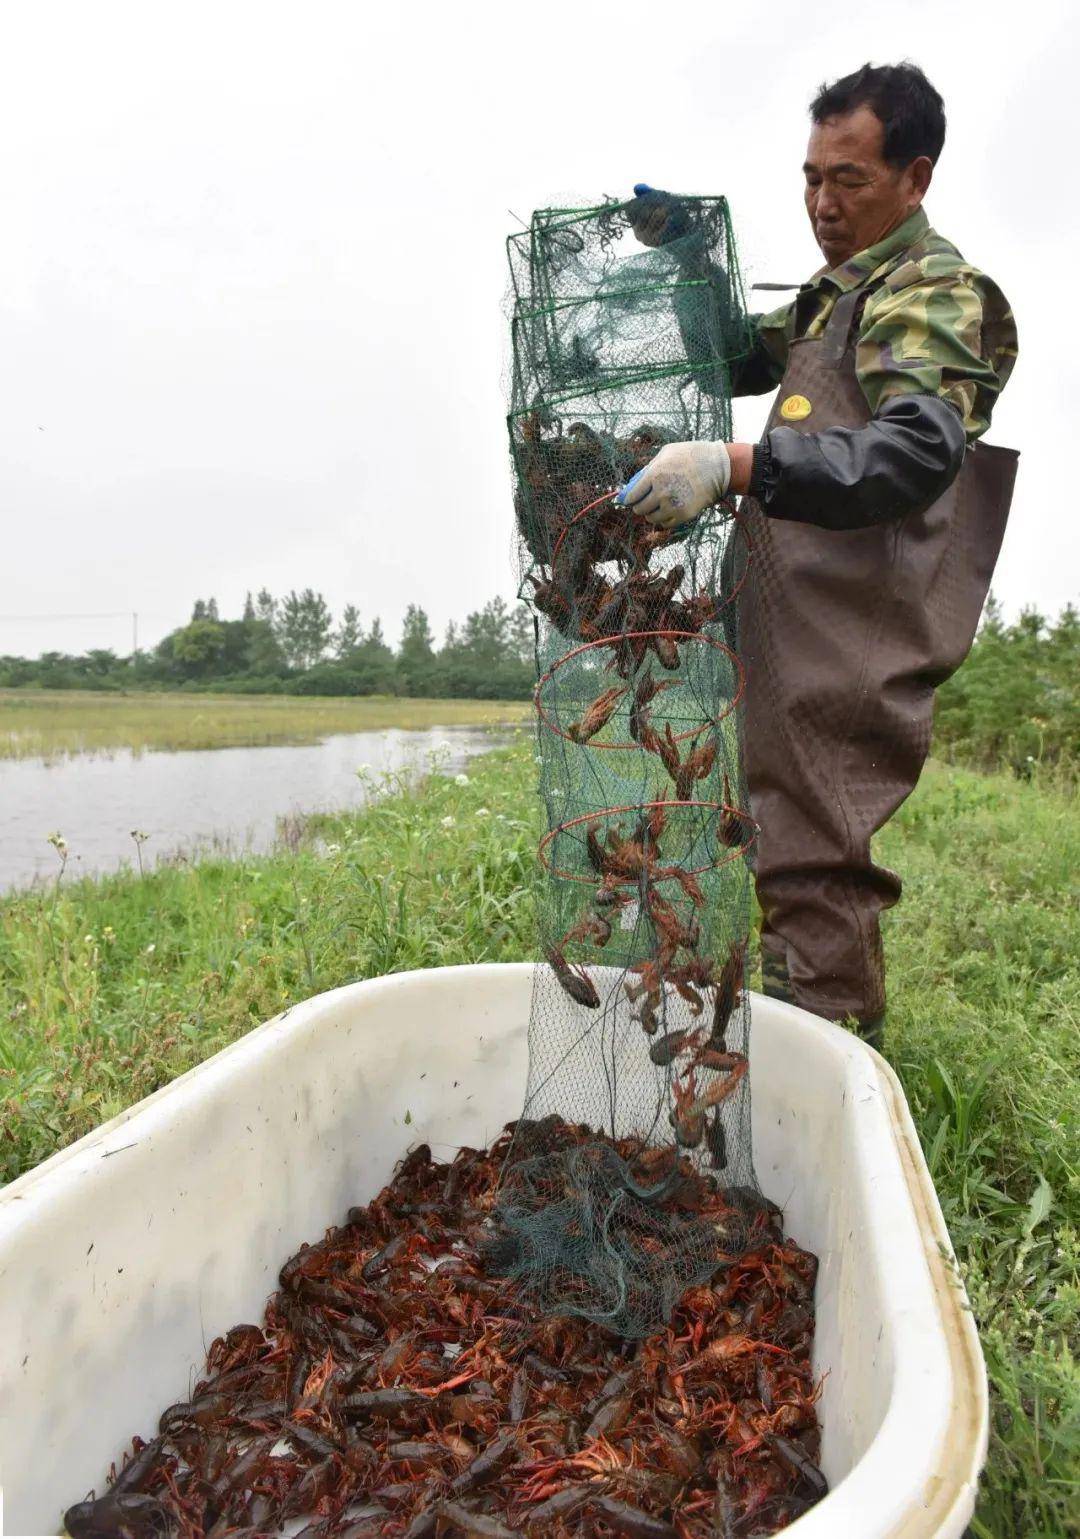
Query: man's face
[[853, 197]]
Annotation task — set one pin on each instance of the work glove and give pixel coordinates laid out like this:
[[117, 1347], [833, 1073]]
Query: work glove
[[656, 217], [678, 484]]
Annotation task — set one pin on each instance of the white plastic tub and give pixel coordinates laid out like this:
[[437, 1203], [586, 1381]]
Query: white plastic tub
[[122, 1257]]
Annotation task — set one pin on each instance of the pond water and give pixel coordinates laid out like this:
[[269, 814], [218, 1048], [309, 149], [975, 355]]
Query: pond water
[[227, 799]]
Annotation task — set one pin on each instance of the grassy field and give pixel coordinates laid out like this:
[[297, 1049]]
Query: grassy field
[[51, 723], [107, 990]]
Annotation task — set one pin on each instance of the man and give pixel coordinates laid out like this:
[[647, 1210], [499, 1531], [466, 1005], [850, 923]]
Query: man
[[876, 516]]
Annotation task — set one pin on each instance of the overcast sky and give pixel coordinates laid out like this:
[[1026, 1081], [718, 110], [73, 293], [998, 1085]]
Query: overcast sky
[[252, 269]]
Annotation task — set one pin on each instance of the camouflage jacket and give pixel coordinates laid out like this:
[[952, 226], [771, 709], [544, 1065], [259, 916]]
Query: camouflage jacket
[[932, 325]]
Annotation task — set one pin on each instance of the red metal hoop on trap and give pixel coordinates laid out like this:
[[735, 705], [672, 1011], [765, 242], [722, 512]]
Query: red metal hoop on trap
[[587, 646], [726, 503]]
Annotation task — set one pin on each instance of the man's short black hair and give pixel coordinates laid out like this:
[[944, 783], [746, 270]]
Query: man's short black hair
[[911, 111]]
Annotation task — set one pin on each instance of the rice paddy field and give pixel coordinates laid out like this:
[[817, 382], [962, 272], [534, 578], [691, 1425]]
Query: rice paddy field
[[110, 988], [50, 724]]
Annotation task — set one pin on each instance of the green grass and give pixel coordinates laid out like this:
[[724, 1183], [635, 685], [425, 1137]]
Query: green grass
[[52, 723], [985, 1034], [109, 989]]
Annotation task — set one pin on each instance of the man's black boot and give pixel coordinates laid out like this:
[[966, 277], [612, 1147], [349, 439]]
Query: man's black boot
[[776, 984], [775, 981], [872, 1032]]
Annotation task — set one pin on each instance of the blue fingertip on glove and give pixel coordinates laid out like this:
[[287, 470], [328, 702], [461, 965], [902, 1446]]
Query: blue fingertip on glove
[[620, 495], [642, 189]]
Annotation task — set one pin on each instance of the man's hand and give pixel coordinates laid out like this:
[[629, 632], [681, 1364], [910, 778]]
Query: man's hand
[[681, 482], [655, 217]]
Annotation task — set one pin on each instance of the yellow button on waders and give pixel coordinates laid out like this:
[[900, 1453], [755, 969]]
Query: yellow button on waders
[[795, 408]]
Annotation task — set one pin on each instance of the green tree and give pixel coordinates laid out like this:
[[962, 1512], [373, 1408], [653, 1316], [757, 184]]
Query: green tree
[[197, 648], [100, 662], [235, 657], [264, 657], [416, 655], [487, 632], [373, 663], [484, 659], [1015, 700], [522, 633], [992, 623], [349, 634], [305, 626], [57, 671]]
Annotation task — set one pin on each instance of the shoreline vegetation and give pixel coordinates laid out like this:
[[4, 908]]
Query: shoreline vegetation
[[1013, 704], [51, 724], [110, 988]]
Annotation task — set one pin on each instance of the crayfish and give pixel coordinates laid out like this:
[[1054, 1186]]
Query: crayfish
[[500, 1421]]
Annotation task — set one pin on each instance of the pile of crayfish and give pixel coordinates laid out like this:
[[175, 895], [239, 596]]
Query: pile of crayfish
[[396, 1388]]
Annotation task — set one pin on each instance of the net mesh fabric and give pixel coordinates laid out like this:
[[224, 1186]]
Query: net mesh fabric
[[638, 1037]]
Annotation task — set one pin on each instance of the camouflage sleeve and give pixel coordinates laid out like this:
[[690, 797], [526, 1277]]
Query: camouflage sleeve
[[949, 334], [761, 367]]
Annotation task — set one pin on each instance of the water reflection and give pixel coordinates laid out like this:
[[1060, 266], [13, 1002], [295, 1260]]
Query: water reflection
[[231, 797]]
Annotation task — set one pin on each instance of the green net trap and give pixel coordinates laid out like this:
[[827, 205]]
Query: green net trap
[[638, 1039]]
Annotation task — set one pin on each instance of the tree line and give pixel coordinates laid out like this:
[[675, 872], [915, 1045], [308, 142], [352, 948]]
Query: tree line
[[1015, 701], [293, 645]]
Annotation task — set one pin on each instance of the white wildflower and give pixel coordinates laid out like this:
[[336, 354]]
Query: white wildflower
[[461, 780], [89, 940], [482, 812], [448, 822], [151, 949]]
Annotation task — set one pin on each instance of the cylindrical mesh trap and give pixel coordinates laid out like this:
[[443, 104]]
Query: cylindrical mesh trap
[[638, 1035]]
